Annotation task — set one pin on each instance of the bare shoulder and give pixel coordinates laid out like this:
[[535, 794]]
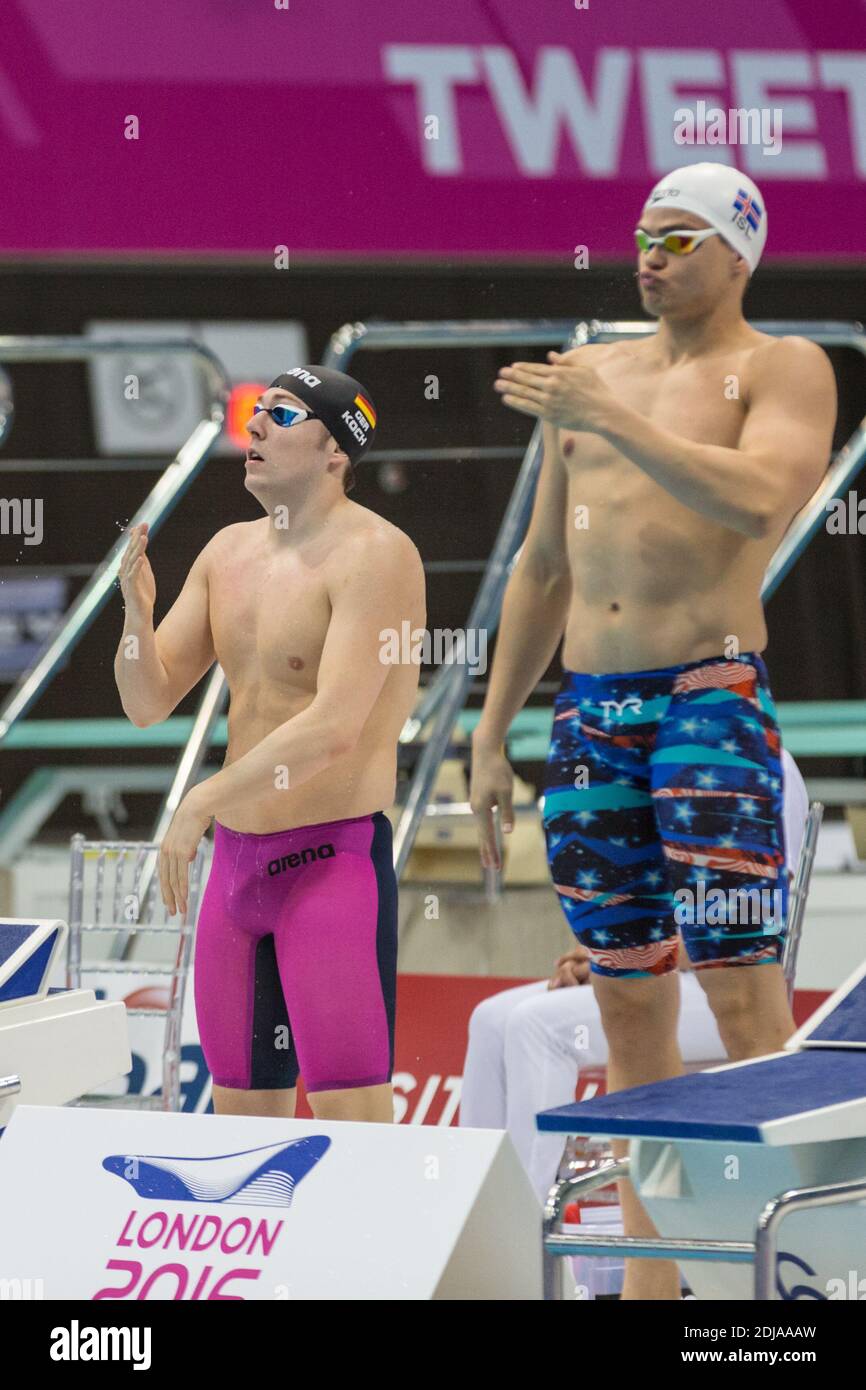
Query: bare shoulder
[[796, 360], [228, 538], [597, 351], [378, 546]]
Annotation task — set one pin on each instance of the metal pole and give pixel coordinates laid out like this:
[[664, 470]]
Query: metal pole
[[186, 774], [442, 699], [774, 1213], [173, 483]]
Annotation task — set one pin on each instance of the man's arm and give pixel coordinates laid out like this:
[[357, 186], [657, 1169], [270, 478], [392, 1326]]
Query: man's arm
[[155, 670], [380, 584], [782, 454], [534, 615], [535, 606]]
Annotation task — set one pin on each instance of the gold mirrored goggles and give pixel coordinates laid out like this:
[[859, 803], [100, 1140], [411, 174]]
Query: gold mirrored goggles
[[678, 243]]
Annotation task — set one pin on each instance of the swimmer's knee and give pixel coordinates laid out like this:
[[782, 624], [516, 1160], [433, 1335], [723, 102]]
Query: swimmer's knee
[[622, 998], [278, 1102]]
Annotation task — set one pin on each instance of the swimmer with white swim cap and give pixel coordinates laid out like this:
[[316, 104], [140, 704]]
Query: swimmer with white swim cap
[[673, 464]]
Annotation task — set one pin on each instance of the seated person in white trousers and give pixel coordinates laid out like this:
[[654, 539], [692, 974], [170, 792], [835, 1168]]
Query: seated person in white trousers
[[524, 1053]]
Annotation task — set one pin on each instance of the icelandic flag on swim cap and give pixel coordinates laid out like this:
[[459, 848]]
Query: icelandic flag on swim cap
[[724, 197], [748, 207]]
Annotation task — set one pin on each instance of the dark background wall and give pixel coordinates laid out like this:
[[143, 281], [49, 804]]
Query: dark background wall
[[817, 619]]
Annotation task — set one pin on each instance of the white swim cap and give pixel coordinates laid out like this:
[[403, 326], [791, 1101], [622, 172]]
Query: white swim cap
[[722, 196]]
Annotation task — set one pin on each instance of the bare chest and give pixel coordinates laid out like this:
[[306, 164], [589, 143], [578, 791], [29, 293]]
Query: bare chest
[[700, 402], [269, 618]]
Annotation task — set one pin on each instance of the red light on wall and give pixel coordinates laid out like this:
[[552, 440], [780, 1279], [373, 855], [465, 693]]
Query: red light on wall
[[240, 407]]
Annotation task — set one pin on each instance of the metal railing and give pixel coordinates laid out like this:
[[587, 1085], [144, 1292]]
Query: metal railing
[[186, 774], [488, 601], [123, 905], [799, 895], [762, 1251], [796, 1199], [443, 698], [172, 484]]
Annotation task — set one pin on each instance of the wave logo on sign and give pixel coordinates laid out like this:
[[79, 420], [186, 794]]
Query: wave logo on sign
[[263, 1177]]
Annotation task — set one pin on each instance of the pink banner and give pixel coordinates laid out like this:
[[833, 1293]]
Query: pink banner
[[502, 128]]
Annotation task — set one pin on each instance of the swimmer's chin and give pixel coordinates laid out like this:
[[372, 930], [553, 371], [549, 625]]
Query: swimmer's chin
[[650, 304]]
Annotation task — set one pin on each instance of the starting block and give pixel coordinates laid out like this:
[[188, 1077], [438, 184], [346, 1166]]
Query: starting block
[[55, 1044], [722, 1157]]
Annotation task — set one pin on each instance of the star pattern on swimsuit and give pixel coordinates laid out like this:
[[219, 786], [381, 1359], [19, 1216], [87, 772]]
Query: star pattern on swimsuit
[[707, 779]]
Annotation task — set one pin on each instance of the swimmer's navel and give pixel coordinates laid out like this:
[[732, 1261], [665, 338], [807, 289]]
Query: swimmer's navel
[[614, 608], [568, 447], [296, 663]]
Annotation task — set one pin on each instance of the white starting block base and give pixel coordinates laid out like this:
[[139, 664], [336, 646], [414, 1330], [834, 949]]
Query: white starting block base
[[59, 1043], [709, 1150], [193, 1207], [61, 1046], [717, 1191]]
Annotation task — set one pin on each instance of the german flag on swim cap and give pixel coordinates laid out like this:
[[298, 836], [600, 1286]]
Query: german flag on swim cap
[[340, 401], [367, 407]]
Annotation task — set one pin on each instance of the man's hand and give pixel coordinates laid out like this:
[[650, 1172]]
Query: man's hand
[[491, 786], [137, 583], [566, 391], [571, 969], [178, 850]]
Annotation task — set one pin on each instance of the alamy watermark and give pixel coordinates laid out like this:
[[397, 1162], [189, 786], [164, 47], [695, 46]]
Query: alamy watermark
[[22, 516], [846, 516], [741, 906], [444, 646], [711, 125]]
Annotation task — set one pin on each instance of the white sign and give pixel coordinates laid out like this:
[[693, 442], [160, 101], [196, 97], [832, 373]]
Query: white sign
[[101, 1204], [149, 403]]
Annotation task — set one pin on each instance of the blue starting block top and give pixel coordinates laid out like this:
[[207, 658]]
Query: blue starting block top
[[27, 953], [814, 1090], [792, 1097], [840, 1021]]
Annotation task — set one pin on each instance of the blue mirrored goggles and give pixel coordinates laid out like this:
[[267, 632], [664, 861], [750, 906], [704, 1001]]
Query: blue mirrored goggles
[[286, 415]]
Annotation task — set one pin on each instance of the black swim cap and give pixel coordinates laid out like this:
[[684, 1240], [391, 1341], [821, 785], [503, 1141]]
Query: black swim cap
[[340, 401]]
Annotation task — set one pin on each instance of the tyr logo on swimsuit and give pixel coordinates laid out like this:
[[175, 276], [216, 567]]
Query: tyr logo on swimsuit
[[621, 706], [294, 861]]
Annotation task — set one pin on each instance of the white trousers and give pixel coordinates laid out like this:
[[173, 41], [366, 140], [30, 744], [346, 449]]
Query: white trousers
[[525, 1053]]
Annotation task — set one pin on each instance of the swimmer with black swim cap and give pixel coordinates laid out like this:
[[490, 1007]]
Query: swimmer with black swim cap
[[296, 939], [340, 402]]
